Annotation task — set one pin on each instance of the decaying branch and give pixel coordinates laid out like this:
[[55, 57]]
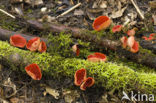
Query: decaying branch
[[81, 34], [141, 57], [106, 74]]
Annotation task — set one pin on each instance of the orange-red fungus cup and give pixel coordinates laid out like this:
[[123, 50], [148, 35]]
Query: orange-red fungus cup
[[33, 44], [101, 23], [80, 76], [131, 32], [18, 41], [97, 57], [42, 47], [34, 71], [116, 28], [76, 50], [135, 47], [124, 41], [87, 83]]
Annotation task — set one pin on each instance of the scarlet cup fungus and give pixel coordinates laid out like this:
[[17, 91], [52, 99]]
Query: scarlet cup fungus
[[42, 47], [151, 36], [34, 71], [124, 41], [80, 76], [116, 28], [33, 44], [101, 23], [131, 32], [97, 57], [18, 41], [87, 83], [135, 47], [76, 49], [130, 41]]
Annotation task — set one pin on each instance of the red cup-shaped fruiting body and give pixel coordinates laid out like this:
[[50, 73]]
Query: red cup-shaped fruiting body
[[18, 41], [116, 28], [42, 47], [76, 50], [34, 71], [97, 57], [130, 41], [80, 76], [101, 23], [124, 41], [87, 83], [135, 47], [131, 32], [33, 44]]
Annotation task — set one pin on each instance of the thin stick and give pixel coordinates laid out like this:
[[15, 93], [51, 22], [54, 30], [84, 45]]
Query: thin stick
[[66, 12], [138, 10], [7, 14]]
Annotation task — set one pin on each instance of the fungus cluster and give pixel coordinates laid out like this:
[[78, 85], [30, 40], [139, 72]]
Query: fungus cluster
[[103, 22], [130, 41], [152, 36], [82, 80], [33, 45]]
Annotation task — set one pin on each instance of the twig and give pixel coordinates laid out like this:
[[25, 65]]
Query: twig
[[138, 10], [66, 12], [7, 14]]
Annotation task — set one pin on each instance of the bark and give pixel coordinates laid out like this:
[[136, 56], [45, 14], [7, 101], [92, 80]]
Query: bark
[[80, 33], [108, 75], [6, 34], [147, 59]]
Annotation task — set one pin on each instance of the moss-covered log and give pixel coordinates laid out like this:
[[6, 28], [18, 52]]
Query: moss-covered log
[[108, 75], [144, 57], [83, 34]]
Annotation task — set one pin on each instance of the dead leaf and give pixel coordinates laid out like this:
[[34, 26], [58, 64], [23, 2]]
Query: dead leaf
[[154, 19], [103, 4], [118, 13], [70, 95], [16, 100], [78, 12], [52, 92], [152, 4]]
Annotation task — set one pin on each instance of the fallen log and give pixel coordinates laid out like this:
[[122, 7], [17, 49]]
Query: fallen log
[[108, 75], [143, 56], [85, 35]]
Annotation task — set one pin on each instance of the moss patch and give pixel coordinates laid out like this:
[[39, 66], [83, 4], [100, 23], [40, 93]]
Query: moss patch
[[109, 75]]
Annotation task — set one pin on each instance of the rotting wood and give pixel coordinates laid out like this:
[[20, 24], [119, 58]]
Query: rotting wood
[[144, 58]]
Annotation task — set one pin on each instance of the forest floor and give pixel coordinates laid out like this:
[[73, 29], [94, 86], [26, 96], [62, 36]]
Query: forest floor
[[16, 87]]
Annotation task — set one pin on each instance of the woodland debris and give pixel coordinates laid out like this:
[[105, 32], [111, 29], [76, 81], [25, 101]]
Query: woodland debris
[[118, 13], [16, 1], [71, 9], [144, 58], [16, 100], [152, 4], [70, 95], [7, 13], [138, 10], [53, 92], [154, 19]]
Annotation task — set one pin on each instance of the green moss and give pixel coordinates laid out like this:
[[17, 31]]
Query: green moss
[[8, 23], [62, 45], [109, 75]]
